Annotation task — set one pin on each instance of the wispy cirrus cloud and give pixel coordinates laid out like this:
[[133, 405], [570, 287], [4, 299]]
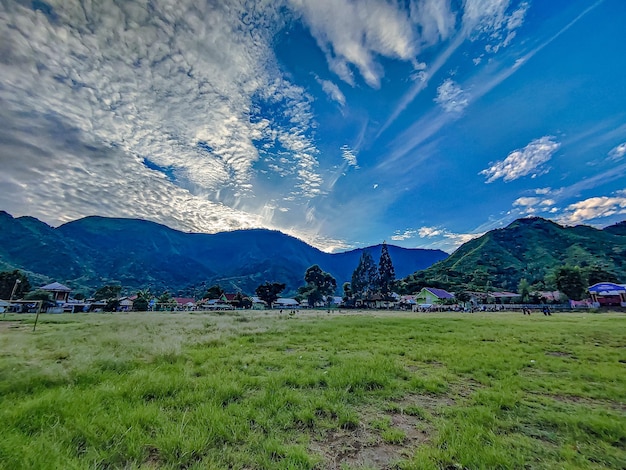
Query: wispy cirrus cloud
[[354, 34], [618, 152], [496, 19], [332, 90], [523, 162]]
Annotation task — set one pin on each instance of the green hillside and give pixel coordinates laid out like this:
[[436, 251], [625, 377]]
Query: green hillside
[[530, 249]]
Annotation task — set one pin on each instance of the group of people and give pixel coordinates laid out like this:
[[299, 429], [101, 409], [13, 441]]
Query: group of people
[[545, 309]]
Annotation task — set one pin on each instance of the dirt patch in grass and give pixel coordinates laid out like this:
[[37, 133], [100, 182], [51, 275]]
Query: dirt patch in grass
[[588, 402], [8, 325], [560, 354], [366, 446]]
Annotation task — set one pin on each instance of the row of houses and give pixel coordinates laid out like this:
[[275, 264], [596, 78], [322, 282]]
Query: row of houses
[[601, 294]]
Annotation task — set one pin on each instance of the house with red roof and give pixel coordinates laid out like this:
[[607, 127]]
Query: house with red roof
[[185, 303]]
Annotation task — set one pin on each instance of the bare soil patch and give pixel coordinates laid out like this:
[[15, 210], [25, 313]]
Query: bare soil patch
[[8, 325]]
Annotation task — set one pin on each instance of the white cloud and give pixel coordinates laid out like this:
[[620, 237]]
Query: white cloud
[[618, 152], [349, 156], [491, 18], [353, 34], [434, 237], [543, 191], [451, 97], [479, 18], [524, 161], [429, 232], [435, 19], [179, 85], [594, 208], [406, 235], [446, 240], [332, 90], [533, 205], [458, 239]]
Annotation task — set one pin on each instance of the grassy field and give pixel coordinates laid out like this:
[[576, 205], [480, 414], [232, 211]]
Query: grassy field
[[254, 390]]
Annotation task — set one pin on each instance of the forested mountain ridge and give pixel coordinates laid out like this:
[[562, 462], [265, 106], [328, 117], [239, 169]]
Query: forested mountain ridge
[[93, 251], [529, 248]]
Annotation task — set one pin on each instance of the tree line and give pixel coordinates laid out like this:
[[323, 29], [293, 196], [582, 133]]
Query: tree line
[[368, 280]]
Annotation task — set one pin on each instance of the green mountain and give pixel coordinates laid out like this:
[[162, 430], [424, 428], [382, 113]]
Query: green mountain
[[94, 251], [529, 248]]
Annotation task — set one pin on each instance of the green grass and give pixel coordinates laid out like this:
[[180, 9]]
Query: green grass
[[358, 390]]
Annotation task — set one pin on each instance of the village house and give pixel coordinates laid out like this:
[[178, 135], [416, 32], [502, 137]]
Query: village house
[[58, 292], [431, 295]]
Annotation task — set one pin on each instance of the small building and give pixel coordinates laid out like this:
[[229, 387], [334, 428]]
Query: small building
[[432, 295], [606, 294], [257, 303], [286, 303], [59, 292], [549, 296], [185, 303], [503, 297], [126, 304], [407, 302]]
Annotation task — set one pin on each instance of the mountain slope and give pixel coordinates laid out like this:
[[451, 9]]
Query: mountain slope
[[93, 251], [527, 248]]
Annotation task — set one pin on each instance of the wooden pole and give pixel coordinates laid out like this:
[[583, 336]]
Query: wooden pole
[[37, 316], [17, 281]]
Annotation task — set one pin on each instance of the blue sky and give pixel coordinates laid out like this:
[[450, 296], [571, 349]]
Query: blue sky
[[420, 122]]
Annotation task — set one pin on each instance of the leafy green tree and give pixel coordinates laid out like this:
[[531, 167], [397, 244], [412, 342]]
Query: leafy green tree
[[214, 292], [140, 304], [269, 291], [108, 292], [364, 278], [523, 289], [571, 281], [38, 294], [319, 284], [8, 283], [596, 274], [386, 273], [165, 301]]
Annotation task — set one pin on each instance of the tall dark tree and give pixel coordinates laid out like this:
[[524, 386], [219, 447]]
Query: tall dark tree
[[364, 278], [319, 284], [596, 274], [347, 293], [214, 292], [571, 281], [269, 291], [386, 273], [107, 293], [8, 283]]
